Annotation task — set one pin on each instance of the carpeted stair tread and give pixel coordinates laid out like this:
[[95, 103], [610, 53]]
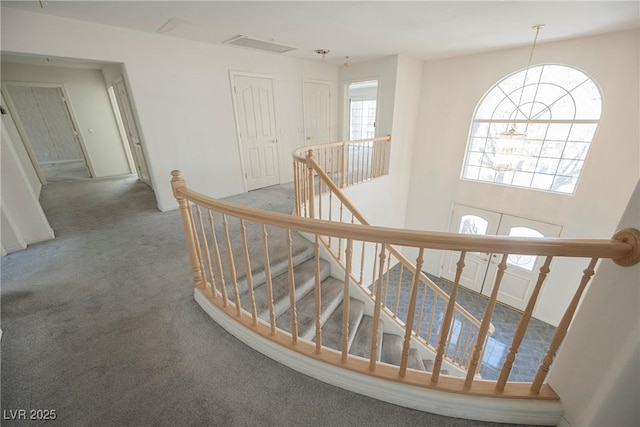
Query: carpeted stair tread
[[428, 366], [332, 328], [331, 296], [279, 263], [304, 276], [392, 352], [361, 345]]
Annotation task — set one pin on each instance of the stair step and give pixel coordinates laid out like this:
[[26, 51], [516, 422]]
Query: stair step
[[304, 276], [332, 329], [361, 345], [392, 352], [302, 251], [331, 297], [428, 366]]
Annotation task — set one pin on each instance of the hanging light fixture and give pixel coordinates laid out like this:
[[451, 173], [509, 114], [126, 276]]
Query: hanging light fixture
[[322, 52], [509, 143]]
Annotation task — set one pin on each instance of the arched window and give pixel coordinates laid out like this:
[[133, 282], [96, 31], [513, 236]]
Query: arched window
[[534, 133]]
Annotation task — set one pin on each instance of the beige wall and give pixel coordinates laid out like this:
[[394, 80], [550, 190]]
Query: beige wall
[[181, 92], [451, 90], [597, 373]]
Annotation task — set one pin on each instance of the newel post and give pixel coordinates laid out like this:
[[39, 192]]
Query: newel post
[[177, 183], [311, 184]]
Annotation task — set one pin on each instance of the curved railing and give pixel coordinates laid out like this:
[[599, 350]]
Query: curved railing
[[318, 196], [216, 230]]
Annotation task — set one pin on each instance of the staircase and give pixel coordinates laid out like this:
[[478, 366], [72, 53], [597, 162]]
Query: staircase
[[227, 243], [332, 301]]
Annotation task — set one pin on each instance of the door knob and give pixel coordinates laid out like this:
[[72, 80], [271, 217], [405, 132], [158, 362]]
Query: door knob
[[308, 138], [275, 141]]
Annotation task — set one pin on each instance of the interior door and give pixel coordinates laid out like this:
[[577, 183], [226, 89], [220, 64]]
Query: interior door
[[51, 132], [133, 137], [522, 270], [468, 220], [317, 112], [256, 125]]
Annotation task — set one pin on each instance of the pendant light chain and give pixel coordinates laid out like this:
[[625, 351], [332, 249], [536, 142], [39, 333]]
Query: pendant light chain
[[526, 73]]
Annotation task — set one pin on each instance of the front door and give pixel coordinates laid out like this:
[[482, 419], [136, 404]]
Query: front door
[[317, 112], [481, 269], [468, 220], [256, 125]]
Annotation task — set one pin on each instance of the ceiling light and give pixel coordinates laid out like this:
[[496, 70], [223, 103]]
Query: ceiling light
[[322, 52]]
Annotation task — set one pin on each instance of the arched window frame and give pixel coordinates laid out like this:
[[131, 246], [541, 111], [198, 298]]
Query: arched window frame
[[558, 131]]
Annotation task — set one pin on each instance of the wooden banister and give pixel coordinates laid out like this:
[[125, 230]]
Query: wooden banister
[[547, 246], [522, 326], [177, 184], [206, 263], [446, 321]]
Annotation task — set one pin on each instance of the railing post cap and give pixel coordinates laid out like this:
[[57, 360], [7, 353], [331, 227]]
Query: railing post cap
[[630, 236], [177, 181]]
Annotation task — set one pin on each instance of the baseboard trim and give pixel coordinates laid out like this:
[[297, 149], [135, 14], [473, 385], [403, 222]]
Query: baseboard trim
[[517, 411]]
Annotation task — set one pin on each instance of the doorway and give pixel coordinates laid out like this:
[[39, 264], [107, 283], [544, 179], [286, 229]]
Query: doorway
[[362, 102], [122, 107], [52, 138], [317, 111], [254, 108], [481, 269]]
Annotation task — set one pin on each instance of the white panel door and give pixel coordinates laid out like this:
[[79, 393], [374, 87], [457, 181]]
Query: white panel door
[[468, 220], [522, 270], [480, 269], [256, 125], [129, 123], [51, 132], [317, 112]]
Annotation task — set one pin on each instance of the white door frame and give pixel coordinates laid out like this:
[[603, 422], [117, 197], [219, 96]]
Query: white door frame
[[232, 75], [23, 134], [140, 163], [346, 113], [304, 115], [111, 91]]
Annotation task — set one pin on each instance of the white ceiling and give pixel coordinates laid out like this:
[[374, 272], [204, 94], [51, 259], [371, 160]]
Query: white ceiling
[[359, 29]]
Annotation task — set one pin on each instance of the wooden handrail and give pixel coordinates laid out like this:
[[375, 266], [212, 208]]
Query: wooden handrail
[[300, 153], [548, 246], [624, 248], [399, 256]]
